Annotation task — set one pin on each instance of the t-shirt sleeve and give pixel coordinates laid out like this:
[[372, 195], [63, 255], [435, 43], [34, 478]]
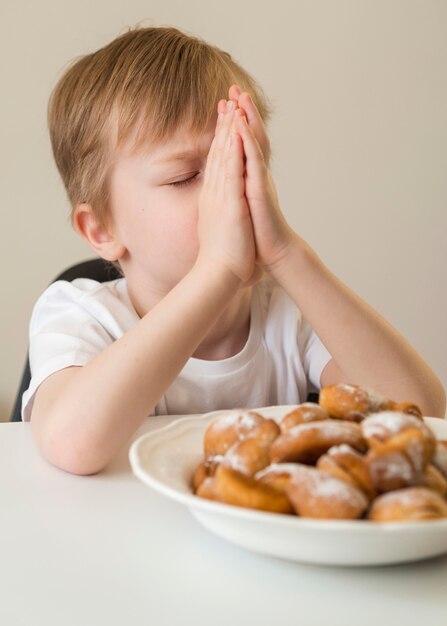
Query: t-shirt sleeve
[[63, 332], [315, 355]]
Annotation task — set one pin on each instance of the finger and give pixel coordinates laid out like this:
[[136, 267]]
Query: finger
[[234, 92], [226, 149], [255, 122], [246, 102], [222, 106], [226, 154], [218, 146], [221, 109], [255, 161], [234, 171]]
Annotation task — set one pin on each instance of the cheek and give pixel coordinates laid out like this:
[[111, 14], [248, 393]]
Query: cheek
[[175, 232], [182, 230]]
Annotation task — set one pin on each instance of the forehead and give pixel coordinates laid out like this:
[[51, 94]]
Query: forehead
[[181, 145]]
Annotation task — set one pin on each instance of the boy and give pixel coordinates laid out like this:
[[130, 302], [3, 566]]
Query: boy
[[222, 304]]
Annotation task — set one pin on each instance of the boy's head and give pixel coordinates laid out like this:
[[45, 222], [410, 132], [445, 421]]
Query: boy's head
[[134, 93]]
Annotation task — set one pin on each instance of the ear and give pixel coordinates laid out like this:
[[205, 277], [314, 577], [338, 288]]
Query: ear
[[102, 239]]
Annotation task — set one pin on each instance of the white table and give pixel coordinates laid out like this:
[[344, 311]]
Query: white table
[[106, 550]]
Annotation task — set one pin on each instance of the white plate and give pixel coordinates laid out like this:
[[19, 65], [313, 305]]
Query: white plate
[[165, 460]]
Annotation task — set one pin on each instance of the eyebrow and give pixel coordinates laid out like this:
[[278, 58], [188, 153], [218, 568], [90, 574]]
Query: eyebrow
[[184, 155]]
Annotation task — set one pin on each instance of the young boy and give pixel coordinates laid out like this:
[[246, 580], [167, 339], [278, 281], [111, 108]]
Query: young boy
[[221, 303]]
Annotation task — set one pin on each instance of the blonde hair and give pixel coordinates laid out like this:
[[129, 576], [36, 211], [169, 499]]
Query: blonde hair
[[145, 84]]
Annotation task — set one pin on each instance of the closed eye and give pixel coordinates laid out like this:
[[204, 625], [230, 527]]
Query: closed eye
[[186, 181]]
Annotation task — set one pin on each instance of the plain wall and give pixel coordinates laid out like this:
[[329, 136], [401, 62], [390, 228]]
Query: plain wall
[[359, 139]]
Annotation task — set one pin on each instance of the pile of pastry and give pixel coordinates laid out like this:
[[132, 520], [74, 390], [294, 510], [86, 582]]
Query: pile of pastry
[[354, 455]]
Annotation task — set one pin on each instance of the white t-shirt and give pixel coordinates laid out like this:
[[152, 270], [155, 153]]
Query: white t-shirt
[[281, 362]]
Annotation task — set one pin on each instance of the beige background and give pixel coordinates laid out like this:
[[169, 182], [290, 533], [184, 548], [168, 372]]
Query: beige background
[[359, 140]]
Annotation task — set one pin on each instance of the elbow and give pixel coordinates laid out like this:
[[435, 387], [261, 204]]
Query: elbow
[[75, 466], [74, 455], [73, 460]]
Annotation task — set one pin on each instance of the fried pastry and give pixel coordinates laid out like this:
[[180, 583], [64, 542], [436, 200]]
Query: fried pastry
[[247, 456], [398, 462], [207, 489], [410, 504], [306, 412], [233, 487], [346, 463], [439, 458], [206, 469], [379, 427], [342, 400], [317, 494], [407, 407], [224, 431], [279, 475], [305, 443], [433, 479]]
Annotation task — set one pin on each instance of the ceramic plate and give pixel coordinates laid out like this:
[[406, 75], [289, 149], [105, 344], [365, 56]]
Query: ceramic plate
[[165, 460]]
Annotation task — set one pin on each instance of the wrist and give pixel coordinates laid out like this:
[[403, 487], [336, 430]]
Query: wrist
[[298, 260], [294, 248], [208, 269]]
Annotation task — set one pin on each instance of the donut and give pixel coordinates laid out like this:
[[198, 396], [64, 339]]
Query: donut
[[206, 469], [247, 456], [317, 494], [409, 408], [199, 476], [439, 458], [410, 504], [306, 412], [305, 443], [346, 463], [342, 400], [379, 427], [207, 489], [233, 487], [224, 431], [265, 432], [433, 479], [279, 475], [398, 462]]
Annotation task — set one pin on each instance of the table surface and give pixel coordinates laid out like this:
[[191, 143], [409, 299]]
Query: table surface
[[107, 550]]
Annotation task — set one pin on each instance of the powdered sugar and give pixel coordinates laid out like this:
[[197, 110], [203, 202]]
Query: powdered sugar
[[330, 428], [413, 496], [385, 423], [391, 467], [440, 457], [343, 448], [416, 453], [308, 411], [240, 419], [319, 484], [291, 469]]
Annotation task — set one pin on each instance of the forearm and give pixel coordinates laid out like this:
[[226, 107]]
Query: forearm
[[365, 347], [104, 402]]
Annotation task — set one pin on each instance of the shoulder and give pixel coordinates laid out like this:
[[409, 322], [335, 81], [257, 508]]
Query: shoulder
[[80, 288], [82, 298]]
